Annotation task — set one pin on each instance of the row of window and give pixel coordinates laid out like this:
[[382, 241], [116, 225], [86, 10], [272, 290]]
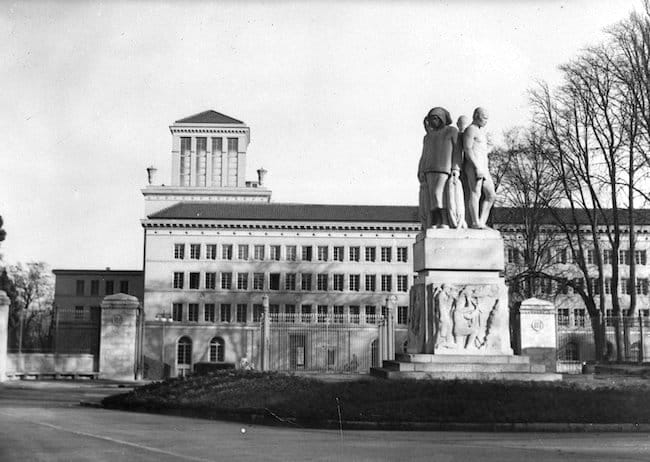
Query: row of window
[[109, 287], [289, 281], [262, 252], [239, 313], [515, 256], [550, 287], [579, 317]]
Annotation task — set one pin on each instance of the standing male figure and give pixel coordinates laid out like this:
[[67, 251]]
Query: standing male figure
[[440, 159], [476, 169]]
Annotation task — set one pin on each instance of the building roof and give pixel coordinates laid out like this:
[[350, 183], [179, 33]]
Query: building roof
[[362, 213], [93, 272], [209, 117], [289, 212]]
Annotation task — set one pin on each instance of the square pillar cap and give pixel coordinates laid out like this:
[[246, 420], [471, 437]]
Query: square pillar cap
[[120, 301], [536, 305]]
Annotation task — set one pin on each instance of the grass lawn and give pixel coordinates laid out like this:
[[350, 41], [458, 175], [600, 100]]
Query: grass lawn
[[310, 401]]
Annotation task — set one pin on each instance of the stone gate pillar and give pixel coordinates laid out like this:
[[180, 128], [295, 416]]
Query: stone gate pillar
[[117, 343], [4, 332], [538, 336]]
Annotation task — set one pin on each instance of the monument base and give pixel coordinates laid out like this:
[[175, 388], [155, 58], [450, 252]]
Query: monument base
[[463, 367]]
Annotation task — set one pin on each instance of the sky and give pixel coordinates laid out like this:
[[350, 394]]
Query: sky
[[334, 94]]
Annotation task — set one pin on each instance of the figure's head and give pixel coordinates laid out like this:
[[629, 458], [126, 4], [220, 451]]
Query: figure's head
[[462, 123], [438, 117], [480, 117]]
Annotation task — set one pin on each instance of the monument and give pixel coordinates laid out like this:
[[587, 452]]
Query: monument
[[458, 321]]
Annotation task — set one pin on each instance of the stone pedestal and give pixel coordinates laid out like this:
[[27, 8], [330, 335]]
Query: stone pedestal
[[118, 340], [459, 301], [4, 332], [538, 338]]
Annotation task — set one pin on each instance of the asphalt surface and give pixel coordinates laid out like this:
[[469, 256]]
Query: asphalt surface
[[42, 421]]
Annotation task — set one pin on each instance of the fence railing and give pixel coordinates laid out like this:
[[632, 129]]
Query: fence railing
[[321, 318]]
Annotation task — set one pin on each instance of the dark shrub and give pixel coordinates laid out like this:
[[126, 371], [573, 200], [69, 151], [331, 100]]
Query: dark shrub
[[206, 368]]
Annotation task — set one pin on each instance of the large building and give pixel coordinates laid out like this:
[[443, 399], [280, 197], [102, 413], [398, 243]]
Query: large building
[[216, 245]]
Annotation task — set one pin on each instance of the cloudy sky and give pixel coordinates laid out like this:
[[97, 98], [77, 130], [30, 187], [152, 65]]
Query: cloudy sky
[[334, 94]]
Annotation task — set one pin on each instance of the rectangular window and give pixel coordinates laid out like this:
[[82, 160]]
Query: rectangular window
[[217, 148], [322, 253], [211, 280], [338, 281], [274, 312], [242, 251], [274, 281], [545, 286], [386, 283], [290, 281], [321, 313], [402, 314], [290, 313], [184, 170], [371, 253], [226, 252], [607, 256], [94, 287], [640, 257], [354, 314], [563, 317], [623, 257], [306, 313], [195, 251], [193, 312], [78, 313], [339, 313], [306, 253], [224, 313], [274, 252], [242, 310], [291, 252], [226, 281], [179, 251], [608, 286], [124, 287], [305, 281], [177, 312], [625, 286], [402, 283], [194, 280], [211, 251], [178, 280], [355, 281], [386, 254], [80, 287], [371, 282], [402, 254], [642, 286], [595, 287], [354, 253], [258, 311], [233, 167], [210, 312], [337, 253], [109, 286], [201, 161], [371, 314], [242, 281], [591, 256], [513, 255], [258, 252], [579, 317], [321, 282], [258, 281]]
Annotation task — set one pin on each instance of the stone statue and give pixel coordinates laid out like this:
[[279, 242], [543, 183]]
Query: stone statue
[[440, 160], [479, 180]]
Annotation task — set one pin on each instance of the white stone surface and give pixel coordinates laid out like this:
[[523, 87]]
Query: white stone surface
[[537, 324], [117, 353]]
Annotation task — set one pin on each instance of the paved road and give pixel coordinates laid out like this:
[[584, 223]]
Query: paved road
[[41, 421]]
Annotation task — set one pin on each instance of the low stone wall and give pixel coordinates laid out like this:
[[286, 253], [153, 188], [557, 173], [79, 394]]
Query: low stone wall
[[50, 363]]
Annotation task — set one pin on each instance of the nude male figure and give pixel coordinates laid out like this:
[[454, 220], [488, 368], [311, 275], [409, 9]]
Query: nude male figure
[[439, 161], [479, 180]]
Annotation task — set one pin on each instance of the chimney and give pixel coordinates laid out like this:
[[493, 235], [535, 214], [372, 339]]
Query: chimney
[[261, 173], [151, 174]]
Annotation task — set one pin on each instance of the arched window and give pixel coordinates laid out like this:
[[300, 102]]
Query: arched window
[[184, 356], [570, 352], [217, 350]]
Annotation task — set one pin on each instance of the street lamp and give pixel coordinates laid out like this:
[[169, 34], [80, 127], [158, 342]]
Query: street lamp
[[164, 318]]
